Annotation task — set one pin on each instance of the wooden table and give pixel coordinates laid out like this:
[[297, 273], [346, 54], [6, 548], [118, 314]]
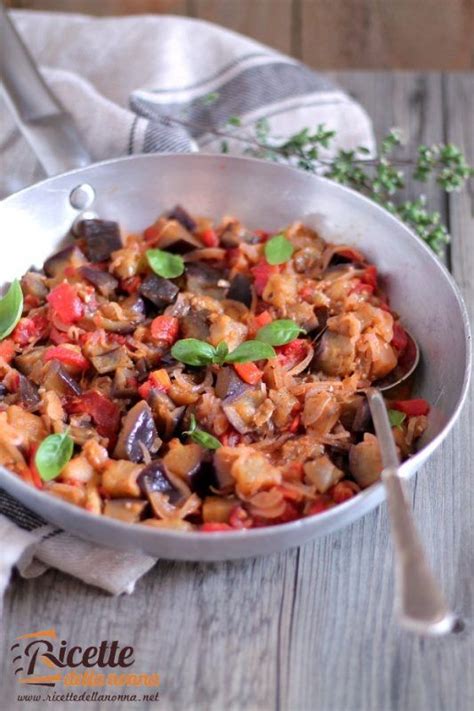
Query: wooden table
[[311, 629]]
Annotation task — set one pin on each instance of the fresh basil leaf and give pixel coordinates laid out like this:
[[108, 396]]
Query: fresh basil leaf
[[278, 250], [53, 454], [204, 439], [250, 351], [11, 306], [165, 264], [193, 352], [279, 332], [192, 425], [221, 352], [396, 418]]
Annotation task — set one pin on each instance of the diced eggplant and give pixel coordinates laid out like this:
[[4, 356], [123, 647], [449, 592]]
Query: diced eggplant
[[363, 419], [184, 218], [57, 263], [111, 360], [58, 379], [104, 282], [31, 363], [134, 304], [125, 384], [28, 394], [3, 390], [204, 479], [228, 384], [167, 416], [202, 279], [176, 238], [102, 238], [241, 289], [183, 460], [154, 479], [195, 325], [241, 410], [161, 292], [128, 510], [138, 432], [32, 284], [365, 461]]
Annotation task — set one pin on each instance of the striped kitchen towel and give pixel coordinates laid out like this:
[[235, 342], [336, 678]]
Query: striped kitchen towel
[[145, 84]]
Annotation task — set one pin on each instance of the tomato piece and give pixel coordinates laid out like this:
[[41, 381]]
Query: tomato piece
[[231, 438], [261, 273], [239, 518], [343, 491], [400, 338], [59, 337], [262, 235], [65, 303], [369, 276], [292, 352], [290, 494], [322, 503], [361, 288], [290, 513], [131, 285], [214, 527], [31, 301], [209, 238], [165, 328], [248, 372], [30, 329], [295, 424], [144, 390], [68, 356], [7, 349], [411, 408], [104, 412], [152, 233], [262, 320]]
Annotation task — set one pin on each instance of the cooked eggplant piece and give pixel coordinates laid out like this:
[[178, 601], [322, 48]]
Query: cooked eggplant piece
[[28, 394], [241, 289], [363, 419], [204, 479], [184, 218], [102, 238], [176, 238], [183, 459], [57, 263], [202, 279], [167, 415], [228, 384], [58, 379], [138, 432], [195, 325], [32, 284], [3, 390], [128, 510], [104, 282], [365, 461], [31, 363], [161, 292], [154, 479], [125, 382], [241, 410], [111, 360]]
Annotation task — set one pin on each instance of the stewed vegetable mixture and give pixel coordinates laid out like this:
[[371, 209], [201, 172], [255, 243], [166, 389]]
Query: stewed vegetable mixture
[[200, 376]]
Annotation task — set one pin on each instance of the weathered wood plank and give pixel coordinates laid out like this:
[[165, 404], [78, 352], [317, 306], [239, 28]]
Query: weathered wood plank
[[375, 34], [104, 7], [268, 21]]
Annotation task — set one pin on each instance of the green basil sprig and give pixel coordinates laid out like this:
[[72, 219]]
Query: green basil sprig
[[165, 264], [53, 454], [278, 249], [11, 307], [201, 437], [279, 332], [396, 418], [194, 352]]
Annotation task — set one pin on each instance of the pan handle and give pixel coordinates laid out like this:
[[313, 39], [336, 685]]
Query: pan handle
[[45, 124]]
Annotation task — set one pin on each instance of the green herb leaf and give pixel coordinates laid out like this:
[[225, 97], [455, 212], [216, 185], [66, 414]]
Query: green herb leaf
[[250, 351], [204, 439], [53, 454], [278, 250], [279, 332], [396, 418], [193, 352], [165, 264], [11, 307], [222, 351]]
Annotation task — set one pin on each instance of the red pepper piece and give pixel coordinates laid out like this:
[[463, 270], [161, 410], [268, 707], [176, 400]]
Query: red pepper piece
[[65, 303], [322, 503], [152, 233], [59, 337], [209, 238], [262, 319], [165, 328], [411, 408], [292, 352], [7, 350], [295, 424], [68, 356], [369, 276], [214, 527], [35, 475], [261, 273], [248, 372], [104, 412], [400, 338], [343, 491]]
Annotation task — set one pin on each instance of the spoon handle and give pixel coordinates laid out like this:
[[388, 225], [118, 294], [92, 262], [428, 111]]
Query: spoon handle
[[420, 603]]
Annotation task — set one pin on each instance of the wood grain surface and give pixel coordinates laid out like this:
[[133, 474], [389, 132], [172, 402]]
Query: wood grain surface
[[331, 34], [311, 629]]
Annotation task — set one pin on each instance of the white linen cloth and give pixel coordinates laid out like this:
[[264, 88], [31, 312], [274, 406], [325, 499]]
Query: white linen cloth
[[119, 77]]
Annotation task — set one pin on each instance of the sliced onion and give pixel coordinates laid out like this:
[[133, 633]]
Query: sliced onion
[[267, 504], [197, 255], [303, 364]]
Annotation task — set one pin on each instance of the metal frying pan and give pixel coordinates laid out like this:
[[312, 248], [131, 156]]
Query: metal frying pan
[[133, 191]]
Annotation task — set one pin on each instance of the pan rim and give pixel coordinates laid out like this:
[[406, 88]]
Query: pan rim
[[408, 468]]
